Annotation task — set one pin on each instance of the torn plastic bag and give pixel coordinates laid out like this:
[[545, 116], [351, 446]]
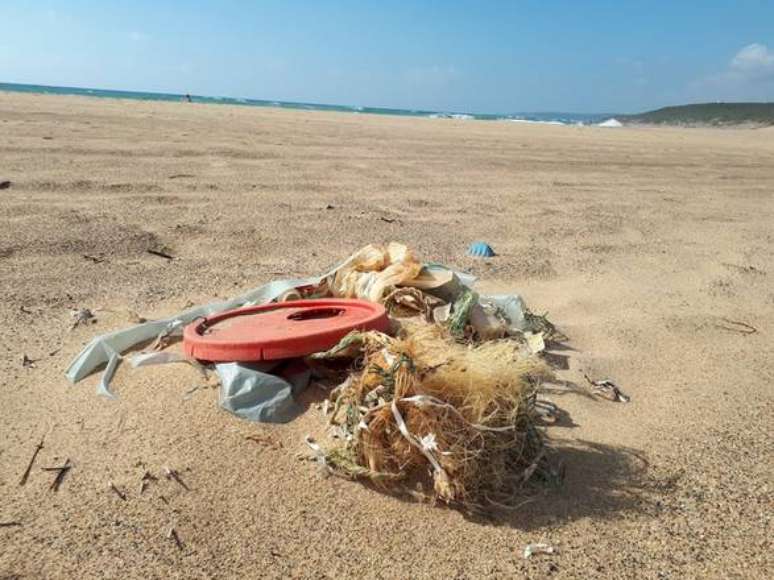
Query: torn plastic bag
[[371, 271], [251, 392], [511, 306], [145, 359]]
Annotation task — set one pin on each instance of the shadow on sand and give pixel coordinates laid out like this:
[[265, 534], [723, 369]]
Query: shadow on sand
[[599, 481]]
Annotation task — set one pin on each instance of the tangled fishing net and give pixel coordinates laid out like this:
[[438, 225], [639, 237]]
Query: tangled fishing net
[[445, 408]]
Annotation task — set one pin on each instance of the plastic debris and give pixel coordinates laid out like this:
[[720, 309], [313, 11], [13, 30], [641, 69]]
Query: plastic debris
[[481, 250], [532, 549], [255, 393], [440, 414], [608, 389], [406, 302], [434, 292], [371, 271]]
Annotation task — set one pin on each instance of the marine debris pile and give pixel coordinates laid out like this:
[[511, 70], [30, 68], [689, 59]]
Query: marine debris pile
[[432, 387], [445, 407]]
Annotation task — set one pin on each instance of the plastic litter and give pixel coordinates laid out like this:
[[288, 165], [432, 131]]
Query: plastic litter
[[278, 331], [369, 272], [251, 392], [608, 389], [532, 549], [481, 250], [265, 393], [451, 418]]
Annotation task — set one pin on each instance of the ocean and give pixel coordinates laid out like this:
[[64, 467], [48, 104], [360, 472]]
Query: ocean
[[548, 117]]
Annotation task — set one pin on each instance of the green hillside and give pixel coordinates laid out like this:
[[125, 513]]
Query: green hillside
[[714, 114]]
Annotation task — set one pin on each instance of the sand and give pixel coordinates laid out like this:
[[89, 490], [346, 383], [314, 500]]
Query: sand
[[639, 242]]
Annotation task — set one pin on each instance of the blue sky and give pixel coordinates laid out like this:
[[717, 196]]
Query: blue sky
[[497, 56]]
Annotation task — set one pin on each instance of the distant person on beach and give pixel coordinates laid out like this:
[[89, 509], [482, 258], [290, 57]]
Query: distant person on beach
[[188, 98]]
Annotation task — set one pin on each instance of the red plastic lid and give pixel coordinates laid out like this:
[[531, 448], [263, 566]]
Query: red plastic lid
[[280, 330]]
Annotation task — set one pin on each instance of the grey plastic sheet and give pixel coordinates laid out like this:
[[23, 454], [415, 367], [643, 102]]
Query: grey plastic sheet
[[252, 392]]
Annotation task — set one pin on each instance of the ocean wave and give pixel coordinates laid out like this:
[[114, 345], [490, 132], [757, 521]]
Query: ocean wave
[[532, 121], [462, 116]]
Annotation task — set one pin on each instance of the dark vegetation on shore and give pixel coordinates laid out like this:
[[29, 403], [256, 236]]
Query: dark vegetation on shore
[[707, 114]]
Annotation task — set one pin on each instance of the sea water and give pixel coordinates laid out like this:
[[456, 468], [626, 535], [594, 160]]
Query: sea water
[[552, 118]]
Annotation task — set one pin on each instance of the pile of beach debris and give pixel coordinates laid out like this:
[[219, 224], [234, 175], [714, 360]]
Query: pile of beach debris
[[443, 407], [437, 397]]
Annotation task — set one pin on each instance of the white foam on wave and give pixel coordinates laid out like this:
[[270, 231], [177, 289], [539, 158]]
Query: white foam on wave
[[531, 122], [461, 116]]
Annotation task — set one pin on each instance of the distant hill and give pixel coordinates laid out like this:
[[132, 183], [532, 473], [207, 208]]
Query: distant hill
[[707, 114]]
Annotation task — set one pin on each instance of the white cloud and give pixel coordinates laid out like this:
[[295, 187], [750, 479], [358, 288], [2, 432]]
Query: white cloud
[[748, 76], [754, 61]]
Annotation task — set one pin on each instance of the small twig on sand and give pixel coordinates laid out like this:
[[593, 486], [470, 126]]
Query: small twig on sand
[[26, 474], [172, 535], [10, 524], [533, 466], [161, 254], [147, 477], [95, 259], [173, 474], [28, 363], [24, 309], [388, 220], [62, 471], [117, 491], [736, 326]]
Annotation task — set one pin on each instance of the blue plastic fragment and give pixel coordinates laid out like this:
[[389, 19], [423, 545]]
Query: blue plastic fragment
[[481, 250]]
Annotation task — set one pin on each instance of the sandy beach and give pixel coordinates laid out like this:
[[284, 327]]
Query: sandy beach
[[646, 246]]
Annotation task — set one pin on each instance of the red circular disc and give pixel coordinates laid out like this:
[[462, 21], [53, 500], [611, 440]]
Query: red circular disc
[[280, 330]]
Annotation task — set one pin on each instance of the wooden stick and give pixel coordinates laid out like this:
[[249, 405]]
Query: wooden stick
[[26, 474], [117, 491], [161, 254], [172, 534], [62, 471], [147, 477], [737, 326], [173, 474]]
